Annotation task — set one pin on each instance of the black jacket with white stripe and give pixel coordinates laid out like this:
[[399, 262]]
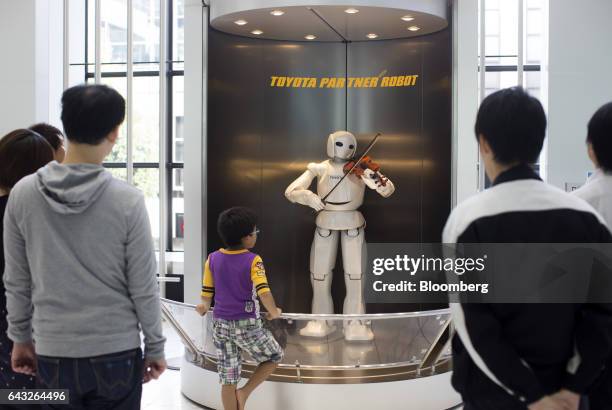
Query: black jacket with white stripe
[[509, 355]]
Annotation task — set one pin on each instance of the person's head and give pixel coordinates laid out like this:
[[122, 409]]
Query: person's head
[[237, 227], [510, 128], [53, 137], [599, 138], [22, 152], [91, 115]]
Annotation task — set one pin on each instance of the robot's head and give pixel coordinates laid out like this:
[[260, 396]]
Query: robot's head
[[341, 145]]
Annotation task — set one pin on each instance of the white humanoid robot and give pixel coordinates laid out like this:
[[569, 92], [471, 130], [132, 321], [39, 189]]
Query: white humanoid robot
[[337, 217]]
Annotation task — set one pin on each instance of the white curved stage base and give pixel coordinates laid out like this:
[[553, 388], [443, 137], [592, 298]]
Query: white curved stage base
[[427, 393]]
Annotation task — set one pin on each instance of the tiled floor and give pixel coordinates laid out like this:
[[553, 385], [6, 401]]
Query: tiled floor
[[165, 393]]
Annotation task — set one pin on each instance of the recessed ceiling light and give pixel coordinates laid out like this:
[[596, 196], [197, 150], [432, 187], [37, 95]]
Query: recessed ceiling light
[[310, 37], [277, 12], [351, 11], [407, 18], [257, 32], [372, 36], [414, 28], [240, 22]]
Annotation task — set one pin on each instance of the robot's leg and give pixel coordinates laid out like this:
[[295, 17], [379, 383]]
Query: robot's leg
[[322, 261], [353, 254], [353, 244]]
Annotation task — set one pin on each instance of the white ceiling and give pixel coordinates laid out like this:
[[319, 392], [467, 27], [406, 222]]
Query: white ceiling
[[299, 21]]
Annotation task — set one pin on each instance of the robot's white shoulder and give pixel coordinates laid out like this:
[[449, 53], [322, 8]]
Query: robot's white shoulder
[[318, 168]]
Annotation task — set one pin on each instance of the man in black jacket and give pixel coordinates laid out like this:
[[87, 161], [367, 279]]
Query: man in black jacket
[[524, 356]]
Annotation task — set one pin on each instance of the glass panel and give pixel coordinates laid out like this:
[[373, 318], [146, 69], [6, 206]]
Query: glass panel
[[146, 30], [91, 35], [178, 210], [113, 31], [397, 340], [535, 4], [501, 29], [492, 22], [113, 35], [508, 79], [535, 20], [147, 180], [77, 32], [119, 173], [492, 82], [119, 152], [178, 30], [146, 119], [152, 68], [492, 50], [533, 83], [178, 119], [76, 74], [534, 49]]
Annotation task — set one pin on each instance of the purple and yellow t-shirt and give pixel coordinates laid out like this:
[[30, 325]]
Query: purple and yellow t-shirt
[[235, 278]]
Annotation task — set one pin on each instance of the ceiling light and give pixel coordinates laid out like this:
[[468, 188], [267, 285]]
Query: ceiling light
[[407, 18], [257, 32], [372, 36], [414, 28], [310, 37], [351, 11], [240, 22], [277, 12]]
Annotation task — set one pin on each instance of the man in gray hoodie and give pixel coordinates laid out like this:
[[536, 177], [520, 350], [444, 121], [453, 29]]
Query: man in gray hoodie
[[80, 271]]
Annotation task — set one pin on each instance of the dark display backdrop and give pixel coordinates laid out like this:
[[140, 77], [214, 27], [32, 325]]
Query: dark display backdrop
[[261, 138]]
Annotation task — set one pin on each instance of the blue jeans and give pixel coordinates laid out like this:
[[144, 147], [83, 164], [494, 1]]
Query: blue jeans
[[112, 381]]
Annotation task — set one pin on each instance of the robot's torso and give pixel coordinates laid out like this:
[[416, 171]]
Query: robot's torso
[[341, 210]]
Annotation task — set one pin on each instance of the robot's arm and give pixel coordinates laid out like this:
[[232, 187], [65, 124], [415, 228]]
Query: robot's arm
[[298, 191], [373, 180]]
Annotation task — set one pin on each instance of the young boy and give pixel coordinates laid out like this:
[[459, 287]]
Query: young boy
[[236, 277]]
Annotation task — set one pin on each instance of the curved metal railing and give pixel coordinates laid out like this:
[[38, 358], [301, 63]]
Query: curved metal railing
[[431, 353]]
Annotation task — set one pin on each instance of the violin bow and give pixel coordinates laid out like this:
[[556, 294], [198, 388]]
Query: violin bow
[[367, 150]]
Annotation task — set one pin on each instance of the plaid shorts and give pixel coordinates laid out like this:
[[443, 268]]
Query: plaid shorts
[[232, 337]]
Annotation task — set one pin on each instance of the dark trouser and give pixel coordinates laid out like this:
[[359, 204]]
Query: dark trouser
[[600, 396], [474, 406], [112, 381]]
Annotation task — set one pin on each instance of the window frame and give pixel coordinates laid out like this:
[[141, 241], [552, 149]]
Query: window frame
[[170, 74]]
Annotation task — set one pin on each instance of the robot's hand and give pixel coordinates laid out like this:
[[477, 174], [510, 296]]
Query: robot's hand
[[315, 202], [374, 180], [387, 190], [369, 177]]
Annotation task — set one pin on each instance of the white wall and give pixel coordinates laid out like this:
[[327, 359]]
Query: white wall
[[31, 68], [17, 69], [465, 99], [195, 144], [580, 81]]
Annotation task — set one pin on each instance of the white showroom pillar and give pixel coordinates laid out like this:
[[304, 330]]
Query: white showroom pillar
[[196, 27], [580, 64], [465, 99], [31, 73]]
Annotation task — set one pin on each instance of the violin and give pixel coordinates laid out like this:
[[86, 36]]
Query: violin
[[366, 163]]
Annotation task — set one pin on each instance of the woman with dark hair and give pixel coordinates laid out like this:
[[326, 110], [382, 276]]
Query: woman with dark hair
[[22, 152], [54, 137]]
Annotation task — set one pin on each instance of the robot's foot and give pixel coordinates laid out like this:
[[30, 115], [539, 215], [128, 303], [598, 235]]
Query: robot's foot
[[317, 328], [356, 331]]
